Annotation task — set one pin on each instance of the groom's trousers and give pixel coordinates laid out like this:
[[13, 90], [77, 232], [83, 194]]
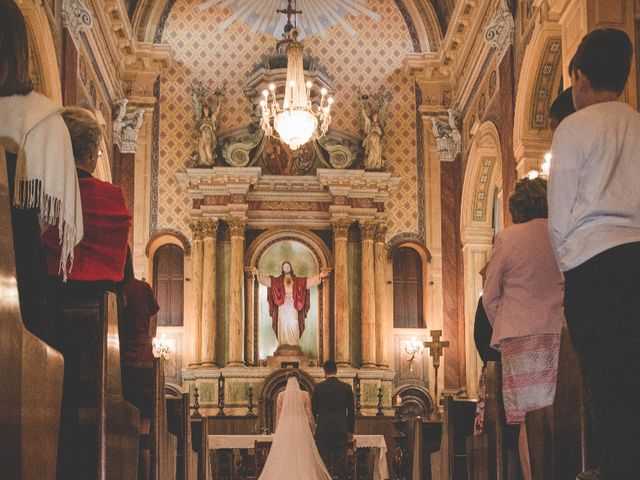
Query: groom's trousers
[[333, 450]]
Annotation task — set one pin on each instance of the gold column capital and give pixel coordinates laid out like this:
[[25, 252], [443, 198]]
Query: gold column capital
[[197, 229], [368, 230], [340, 227], [209, 227], [237, 226], [381, 233]]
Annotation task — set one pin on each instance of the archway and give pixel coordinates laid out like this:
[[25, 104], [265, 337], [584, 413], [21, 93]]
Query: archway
[[274, 384], [43, 48], [267, 252], [540, 81], [480, 218]]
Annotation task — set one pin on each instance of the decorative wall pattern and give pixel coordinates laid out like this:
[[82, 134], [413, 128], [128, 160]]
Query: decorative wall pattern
[[371, 59]]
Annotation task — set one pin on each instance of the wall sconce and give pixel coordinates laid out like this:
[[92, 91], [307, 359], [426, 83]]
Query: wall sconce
[[412, 348], [161, 347]]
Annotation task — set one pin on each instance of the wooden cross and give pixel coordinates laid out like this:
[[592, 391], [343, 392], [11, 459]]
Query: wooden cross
[[435, 347], [289, 11]]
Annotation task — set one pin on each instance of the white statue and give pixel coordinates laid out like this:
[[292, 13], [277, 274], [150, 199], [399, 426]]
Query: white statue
[[207, 114], [374, 113]]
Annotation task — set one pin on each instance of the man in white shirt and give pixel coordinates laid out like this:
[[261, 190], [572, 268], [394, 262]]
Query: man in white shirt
[[594, 224]]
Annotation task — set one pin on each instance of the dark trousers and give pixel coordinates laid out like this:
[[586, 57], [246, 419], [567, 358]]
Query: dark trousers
[[602, 308], [333, 450]]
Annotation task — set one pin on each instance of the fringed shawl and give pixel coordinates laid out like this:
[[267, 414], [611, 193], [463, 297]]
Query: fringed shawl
[[31, 127]]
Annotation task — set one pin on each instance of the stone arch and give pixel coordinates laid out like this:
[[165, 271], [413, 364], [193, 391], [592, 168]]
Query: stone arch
[[273, 385], [483, 176], [538, 85], [419, 15], [157, 240], [425, 259], [43, 46], [417, 398]]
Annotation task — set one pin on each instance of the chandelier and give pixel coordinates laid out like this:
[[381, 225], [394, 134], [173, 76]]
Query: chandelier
[[297, 120]]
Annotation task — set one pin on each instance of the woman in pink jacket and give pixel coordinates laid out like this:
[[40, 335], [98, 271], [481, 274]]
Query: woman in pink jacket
[[523, 299]]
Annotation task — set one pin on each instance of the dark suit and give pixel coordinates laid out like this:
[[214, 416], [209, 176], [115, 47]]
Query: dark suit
[[333, 408]]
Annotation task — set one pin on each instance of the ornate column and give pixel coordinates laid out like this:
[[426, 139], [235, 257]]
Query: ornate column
[[236, 321], [380, 266], [368, 305], [249, 316], [341, 291], [196, 278], [325, 354], [208, 322]]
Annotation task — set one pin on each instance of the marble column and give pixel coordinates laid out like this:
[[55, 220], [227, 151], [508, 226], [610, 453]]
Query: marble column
[[208, 322], [380, 267], [368, 305], [249, 313], [196, 288], [341, 292], [236, 322]]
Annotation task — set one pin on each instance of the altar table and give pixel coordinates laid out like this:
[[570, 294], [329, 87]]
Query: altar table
[[374, 442]]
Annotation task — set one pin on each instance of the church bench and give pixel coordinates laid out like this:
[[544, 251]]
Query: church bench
[[493, 455], [179, 423], [161, 443], [32, 373], [99, 429], [450, 462], [559, 435]]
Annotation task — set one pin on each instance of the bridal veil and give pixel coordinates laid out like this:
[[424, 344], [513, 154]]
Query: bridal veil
[[293, 454]]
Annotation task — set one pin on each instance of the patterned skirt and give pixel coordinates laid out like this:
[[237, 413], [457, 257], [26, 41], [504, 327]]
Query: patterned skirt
[[478, 423], [529, 373]]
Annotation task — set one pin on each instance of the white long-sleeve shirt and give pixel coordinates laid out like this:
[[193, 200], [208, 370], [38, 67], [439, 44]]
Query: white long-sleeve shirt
[[594, 182]]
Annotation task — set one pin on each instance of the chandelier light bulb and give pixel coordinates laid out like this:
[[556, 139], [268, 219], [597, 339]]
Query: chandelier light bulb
[[547, 157], [292, 83], [309, 84], [533, 174], [263, 103], [323, 91], [272, 87], [330, 100], [265, 93]]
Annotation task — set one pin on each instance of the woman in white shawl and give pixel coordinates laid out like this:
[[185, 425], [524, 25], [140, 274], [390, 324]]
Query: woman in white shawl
[[293, 454], [42, 174]]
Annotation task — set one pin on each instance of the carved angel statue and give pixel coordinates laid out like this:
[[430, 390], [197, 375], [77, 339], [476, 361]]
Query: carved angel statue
[[374, 111], [207, 113]]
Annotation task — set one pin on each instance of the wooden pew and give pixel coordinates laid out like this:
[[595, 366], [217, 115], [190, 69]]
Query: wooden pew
[[450, 462], [32, 373], [179, 423], [99, 429], [487, 454], [558, 435]]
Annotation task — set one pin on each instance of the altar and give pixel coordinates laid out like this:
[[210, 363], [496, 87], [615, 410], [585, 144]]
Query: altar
[[229, 455]]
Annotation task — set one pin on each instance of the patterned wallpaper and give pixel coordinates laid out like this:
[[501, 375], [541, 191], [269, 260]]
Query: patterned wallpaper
[[371, 59]]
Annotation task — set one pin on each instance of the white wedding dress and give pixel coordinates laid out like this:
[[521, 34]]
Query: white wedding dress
[[293, 454]]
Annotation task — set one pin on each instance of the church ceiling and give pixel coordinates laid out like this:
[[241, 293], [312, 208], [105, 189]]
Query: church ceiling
[[368, 61], [317, 17]]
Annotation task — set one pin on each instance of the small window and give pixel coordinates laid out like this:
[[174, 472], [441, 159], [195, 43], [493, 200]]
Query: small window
[[407, 289], [168, 284]]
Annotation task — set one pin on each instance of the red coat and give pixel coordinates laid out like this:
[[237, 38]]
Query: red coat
[[101, 253], [301, 299]]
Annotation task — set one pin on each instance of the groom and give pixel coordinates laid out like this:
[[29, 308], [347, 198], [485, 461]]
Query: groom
[[333, 409]]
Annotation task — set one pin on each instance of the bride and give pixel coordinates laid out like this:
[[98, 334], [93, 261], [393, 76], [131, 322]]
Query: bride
[[293, 453]]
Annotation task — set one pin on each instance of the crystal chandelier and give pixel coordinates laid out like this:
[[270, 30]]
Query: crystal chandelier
[[297, 120]]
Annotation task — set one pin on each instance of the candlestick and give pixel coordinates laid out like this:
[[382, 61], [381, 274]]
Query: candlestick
[[221, 396], [196, 405], [380, 412]]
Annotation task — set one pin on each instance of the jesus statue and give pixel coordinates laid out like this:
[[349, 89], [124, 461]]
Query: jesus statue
[[289, 302]]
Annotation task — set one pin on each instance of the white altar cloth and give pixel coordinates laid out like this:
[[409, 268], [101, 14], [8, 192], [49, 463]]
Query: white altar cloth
[[377, 442]]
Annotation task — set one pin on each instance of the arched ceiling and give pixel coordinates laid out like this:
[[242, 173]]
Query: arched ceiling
[[426, 19]]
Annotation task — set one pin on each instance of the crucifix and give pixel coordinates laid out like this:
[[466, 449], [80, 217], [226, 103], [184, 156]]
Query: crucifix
[[289, 11], [436, 347]]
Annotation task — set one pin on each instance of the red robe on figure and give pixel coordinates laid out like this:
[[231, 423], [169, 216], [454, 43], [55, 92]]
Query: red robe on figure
[[301, 299]]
